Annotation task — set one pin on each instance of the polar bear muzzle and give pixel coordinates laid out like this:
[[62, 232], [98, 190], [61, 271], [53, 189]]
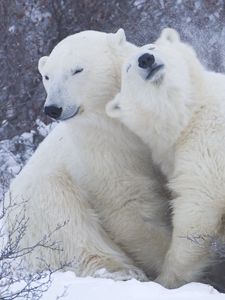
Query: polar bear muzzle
[[146, 60], [53, 111], [150, 65], [59, 113]]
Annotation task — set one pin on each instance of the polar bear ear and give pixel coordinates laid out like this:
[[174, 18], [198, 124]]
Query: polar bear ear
[[42, 62], [118, 38], [113, 109], [170, 35]]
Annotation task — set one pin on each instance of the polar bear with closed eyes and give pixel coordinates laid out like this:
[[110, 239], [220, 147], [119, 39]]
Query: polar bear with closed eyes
[[91, 170], [177, 108]]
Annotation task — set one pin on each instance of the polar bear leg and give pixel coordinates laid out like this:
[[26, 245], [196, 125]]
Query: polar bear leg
[[53, 201], [150, 240], [123, 275], [195, 223]]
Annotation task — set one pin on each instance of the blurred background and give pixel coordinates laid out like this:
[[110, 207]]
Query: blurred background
[[30, 29]]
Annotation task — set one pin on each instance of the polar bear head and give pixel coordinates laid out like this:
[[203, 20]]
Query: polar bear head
[[160, 83], [83, 72]]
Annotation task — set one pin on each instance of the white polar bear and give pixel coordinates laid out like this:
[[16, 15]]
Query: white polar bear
[[91, 170], [177, 107]]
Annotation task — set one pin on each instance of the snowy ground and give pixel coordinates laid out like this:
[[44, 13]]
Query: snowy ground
[[106, 289], [65, 285]]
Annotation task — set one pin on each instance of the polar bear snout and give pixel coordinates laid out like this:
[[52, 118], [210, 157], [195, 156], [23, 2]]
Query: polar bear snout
[[146, 60], [150, 66], [53, 111]]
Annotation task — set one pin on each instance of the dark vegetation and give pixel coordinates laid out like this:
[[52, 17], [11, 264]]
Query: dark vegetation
[[31, 28]]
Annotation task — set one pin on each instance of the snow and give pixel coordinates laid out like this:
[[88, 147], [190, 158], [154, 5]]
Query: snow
[[75, 288], [12, 29], [36, 15], [139, 3]]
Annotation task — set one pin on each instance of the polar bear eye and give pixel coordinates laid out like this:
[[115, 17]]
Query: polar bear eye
[[151, 48], [46, 77], [74, 72]]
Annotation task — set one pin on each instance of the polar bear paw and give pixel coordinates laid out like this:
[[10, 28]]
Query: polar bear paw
[[123, 275], [170, 281]]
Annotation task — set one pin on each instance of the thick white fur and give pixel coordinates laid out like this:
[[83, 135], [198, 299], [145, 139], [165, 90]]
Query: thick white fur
[[92, 171], [181, 116]]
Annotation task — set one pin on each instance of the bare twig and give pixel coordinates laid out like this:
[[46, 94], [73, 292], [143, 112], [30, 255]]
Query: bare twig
[[15, 281]]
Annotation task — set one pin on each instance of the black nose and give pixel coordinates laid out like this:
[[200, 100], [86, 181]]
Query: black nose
[[53, 111], [146, 61]]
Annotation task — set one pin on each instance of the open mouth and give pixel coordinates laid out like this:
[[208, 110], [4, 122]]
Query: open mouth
[[154, 70]]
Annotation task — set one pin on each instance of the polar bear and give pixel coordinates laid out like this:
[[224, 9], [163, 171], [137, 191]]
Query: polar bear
[[92, 171], [177, 107]]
